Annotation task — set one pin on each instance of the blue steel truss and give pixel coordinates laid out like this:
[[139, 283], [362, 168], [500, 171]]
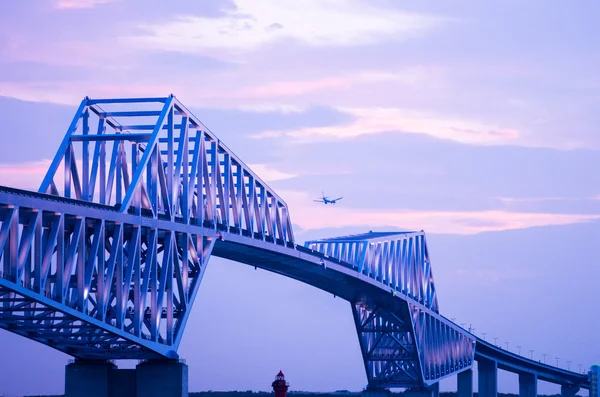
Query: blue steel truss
[[117, 277], [105, 260], [410, 344]]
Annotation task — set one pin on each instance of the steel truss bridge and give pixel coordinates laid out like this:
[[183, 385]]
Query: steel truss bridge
[[106, 259]]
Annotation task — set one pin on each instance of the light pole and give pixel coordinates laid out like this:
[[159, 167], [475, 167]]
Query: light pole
[[568, 365], [580, 370], [557, 360], [506, 345], [463, 325], [519, 347], [544, 354], [484, 334], [495, 344], [532, 353]]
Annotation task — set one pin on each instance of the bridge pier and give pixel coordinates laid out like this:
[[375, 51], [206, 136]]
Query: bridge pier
[[527, 385], [568, 390], [464, 382], [161, 378], [153, 378], [88, 378], [488, 378]]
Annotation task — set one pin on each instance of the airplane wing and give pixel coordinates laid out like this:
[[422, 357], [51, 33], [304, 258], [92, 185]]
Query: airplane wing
[[339, 198], [318, 201]]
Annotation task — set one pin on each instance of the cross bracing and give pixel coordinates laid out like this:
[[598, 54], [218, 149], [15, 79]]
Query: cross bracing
[[158, 159], [133, 280], [416, 343], [400, 260]]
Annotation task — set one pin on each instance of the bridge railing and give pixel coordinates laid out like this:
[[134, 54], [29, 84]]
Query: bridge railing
[[153, 157]]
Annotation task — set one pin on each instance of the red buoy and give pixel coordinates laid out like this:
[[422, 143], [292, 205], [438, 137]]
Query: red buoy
[[280, 386]]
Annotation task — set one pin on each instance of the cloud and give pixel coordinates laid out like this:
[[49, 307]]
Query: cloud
[[381, 120], [309, 215], [71, 92], [26, 176], [269, 174], [254, 24], [272, 108], [276, 89], [78, 4]]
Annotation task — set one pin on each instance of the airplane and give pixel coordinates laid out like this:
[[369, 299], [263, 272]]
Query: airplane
[[326, 200]]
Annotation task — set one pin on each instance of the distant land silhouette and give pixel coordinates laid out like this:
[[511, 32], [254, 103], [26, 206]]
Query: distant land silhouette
[[338, 393]]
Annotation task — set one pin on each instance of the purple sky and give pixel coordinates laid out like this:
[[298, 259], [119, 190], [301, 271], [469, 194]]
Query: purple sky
[[475, 121]]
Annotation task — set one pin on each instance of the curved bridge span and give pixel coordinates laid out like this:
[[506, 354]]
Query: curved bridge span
[[105, 260]]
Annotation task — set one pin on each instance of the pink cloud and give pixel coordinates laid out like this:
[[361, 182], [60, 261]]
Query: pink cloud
[[309, 215], [26, 176], [382, 120], [78, 4], [290, 88]]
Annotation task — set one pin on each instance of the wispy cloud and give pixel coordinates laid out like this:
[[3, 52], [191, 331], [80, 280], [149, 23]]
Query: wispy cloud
[[276, 89], [24, 175], [252, 24], [269, 174], [78, 4], [308, 215], [381, 120]]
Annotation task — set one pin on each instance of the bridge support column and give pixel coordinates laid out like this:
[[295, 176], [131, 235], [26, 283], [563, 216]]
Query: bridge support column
[[488, 378], [88, 378], [568, 390], [161, 378], [464, 382], [527, 385]]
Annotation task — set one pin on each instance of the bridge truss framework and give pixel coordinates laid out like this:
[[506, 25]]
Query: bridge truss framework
[[105, 260]]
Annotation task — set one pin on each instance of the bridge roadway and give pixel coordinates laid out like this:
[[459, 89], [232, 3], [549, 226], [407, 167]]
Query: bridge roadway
[[343, 280], [326, 273]]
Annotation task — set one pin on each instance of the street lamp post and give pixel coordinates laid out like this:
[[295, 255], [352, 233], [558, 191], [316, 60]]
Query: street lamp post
[[495, 344], [519, 347], [531, 350], [557, 358], [580, 370], [484, 334], [544, 354], [507, 345], [568, 365]]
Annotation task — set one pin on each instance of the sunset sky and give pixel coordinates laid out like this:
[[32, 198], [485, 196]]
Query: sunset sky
[[474, 121]]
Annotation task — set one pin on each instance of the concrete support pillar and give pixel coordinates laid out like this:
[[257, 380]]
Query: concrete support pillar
[[435, 390], [488, 378], [161, 378], [88, 378], [464, 382], [527, 385], [122, 383], [568, 390]]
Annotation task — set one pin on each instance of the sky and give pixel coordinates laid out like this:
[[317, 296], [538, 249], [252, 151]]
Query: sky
[[474, 121]]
